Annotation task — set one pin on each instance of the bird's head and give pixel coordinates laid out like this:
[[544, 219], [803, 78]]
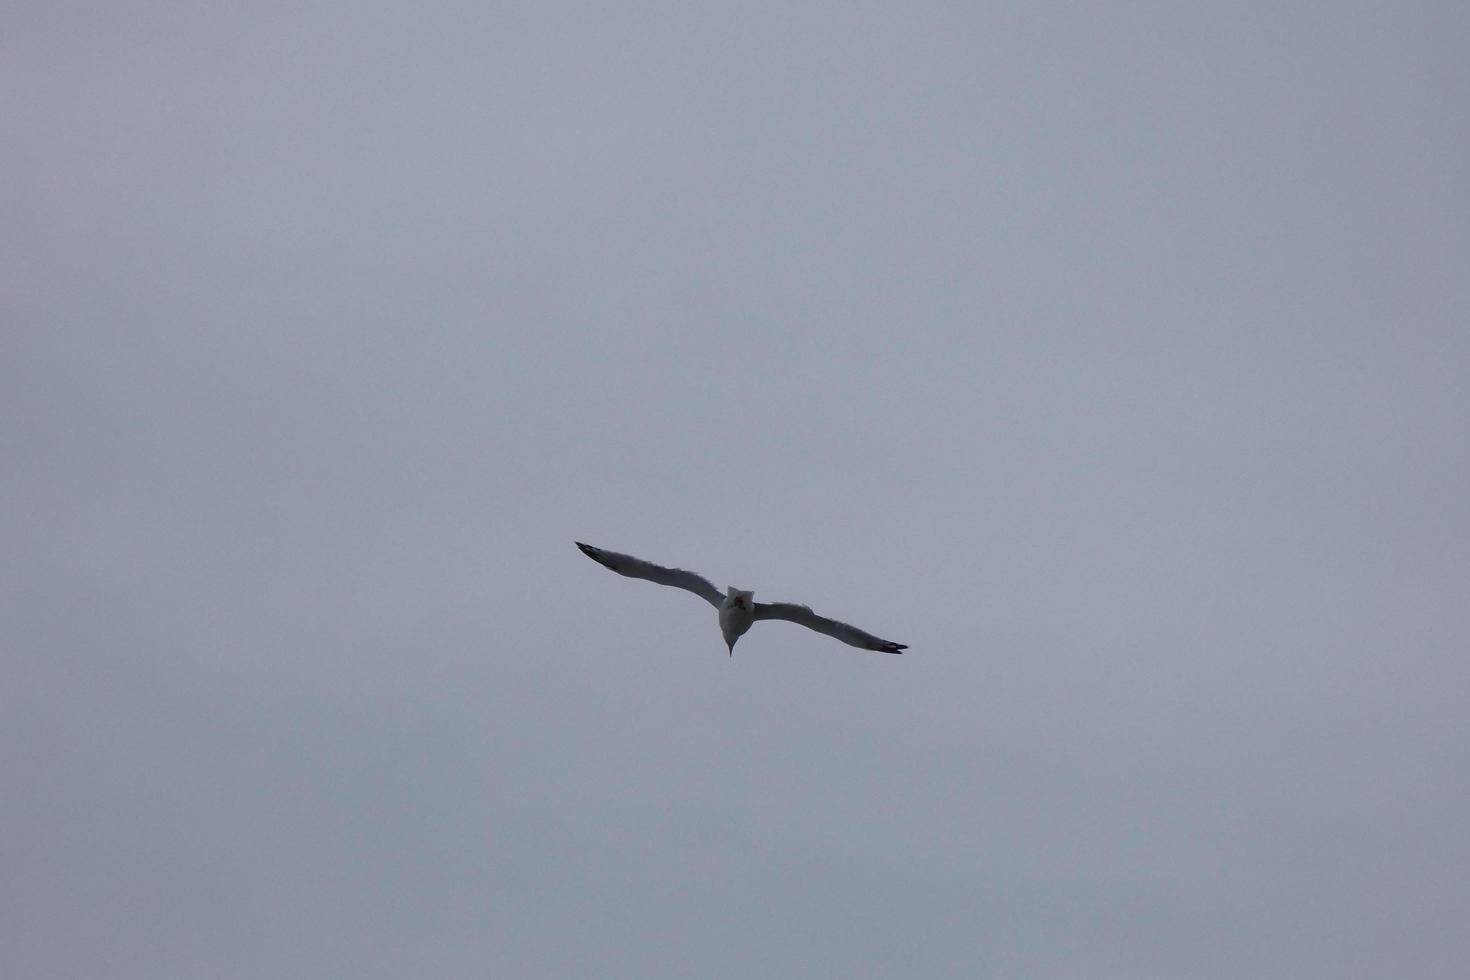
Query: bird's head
[[740, 598]]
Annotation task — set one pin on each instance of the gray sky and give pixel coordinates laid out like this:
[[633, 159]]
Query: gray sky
[[1113, 356]]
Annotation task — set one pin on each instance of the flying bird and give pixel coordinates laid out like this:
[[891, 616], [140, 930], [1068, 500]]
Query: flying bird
[[738, 608]]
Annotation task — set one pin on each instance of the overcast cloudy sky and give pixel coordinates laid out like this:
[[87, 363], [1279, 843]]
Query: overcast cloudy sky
[[1113, 356]]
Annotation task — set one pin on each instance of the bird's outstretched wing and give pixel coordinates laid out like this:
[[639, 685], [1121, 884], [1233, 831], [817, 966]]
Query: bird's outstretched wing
[[851, 635], [638, 568]]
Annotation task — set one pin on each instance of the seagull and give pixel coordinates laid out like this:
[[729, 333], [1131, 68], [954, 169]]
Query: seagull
[[738, 608]]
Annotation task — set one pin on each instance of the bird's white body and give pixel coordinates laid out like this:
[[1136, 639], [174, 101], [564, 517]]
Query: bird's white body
[[737, 613]]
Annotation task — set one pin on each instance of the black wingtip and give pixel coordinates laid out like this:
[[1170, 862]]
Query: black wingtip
[[596, 554], [895, 648]]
